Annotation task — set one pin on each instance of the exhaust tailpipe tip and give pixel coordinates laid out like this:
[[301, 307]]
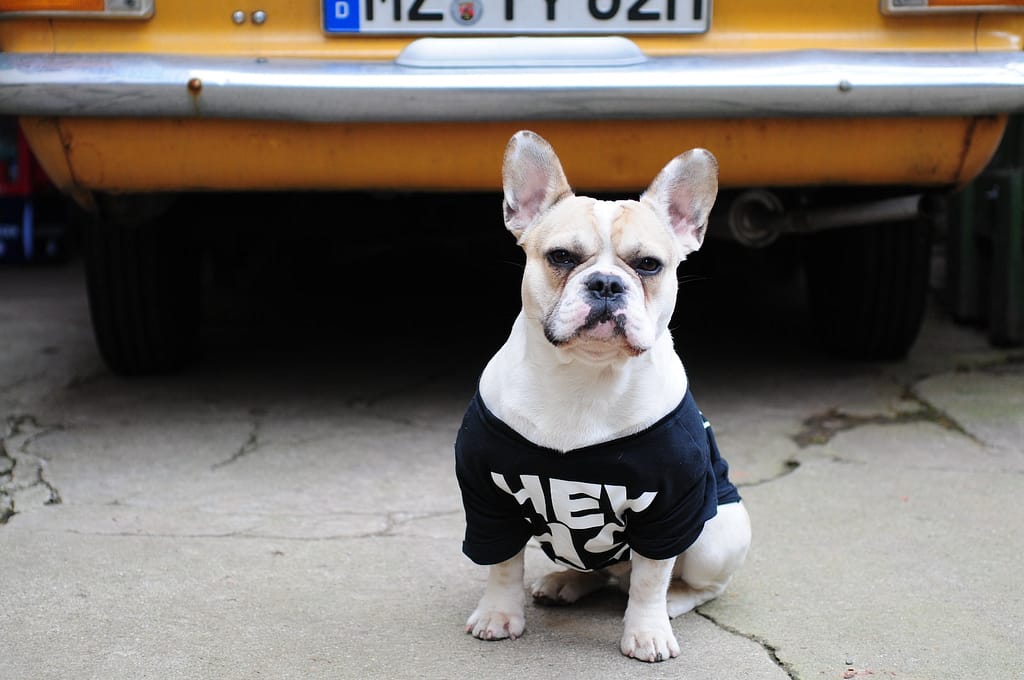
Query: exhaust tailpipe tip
[[753, 218]]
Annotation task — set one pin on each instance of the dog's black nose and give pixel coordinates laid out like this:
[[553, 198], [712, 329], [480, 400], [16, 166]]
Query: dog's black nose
[[605, 286]]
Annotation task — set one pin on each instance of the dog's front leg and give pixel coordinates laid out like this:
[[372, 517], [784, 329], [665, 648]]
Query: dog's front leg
[[647, 634], [500, 612]]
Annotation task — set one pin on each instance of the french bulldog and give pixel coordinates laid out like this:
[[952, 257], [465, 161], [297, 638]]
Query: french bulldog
[[583, 434]]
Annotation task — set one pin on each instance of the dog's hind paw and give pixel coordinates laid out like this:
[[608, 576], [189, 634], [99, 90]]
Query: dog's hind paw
[[565, 587]]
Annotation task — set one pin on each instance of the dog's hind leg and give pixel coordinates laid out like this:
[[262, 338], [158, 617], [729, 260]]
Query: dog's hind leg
[[704, 570], [682, 598], [566, 587]]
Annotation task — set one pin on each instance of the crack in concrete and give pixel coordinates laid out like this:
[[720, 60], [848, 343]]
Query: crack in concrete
[[251, 443], [789, 466], [6, 477], [820, 428], [1012, 362], [771, 650], [15, 479], [392, 521]]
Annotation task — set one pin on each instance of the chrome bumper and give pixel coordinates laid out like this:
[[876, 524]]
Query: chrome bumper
[[483, 79]]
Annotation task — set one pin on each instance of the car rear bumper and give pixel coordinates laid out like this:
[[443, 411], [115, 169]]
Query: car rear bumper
[[438, 84]]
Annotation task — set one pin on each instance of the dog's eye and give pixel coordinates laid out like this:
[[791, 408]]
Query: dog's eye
[[560, 257], [647, 266]]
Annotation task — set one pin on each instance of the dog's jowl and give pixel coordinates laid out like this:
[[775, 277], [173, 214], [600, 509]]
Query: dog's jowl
[[583, 434]]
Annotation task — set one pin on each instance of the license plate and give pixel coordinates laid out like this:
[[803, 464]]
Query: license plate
[[521, 17]]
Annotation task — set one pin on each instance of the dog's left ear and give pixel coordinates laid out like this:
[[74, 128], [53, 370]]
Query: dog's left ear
[[683, 194], [533, 180]]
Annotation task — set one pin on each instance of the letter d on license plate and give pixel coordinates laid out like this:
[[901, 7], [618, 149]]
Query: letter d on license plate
[[521, 17]]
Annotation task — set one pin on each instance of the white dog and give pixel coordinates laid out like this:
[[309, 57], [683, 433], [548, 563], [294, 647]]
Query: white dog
[[583, 433]]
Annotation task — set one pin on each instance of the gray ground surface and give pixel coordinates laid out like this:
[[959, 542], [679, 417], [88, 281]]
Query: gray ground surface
[[289, 509]]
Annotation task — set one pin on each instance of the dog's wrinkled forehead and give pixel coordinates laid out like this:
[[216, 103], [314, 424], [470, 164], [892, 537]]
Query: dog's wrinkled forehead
[[590, 227]]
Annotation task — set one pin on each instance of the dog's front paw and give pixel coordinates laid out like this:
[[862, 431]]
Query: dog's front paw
[[654, 641], [487, 623]]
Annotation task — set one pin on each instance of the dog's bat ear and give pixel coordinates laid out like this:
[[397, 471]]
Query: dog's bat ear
[[532, 178], [683, 194]]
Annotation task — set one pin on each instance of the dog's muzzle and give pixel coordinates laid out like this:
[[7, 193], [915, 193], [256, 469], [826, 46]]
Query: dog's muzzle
[[595, 309]]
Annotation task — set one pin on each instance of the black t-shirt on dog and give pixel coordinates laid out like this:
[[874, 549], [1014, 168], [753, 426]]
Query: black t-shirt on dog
[[650, 492]]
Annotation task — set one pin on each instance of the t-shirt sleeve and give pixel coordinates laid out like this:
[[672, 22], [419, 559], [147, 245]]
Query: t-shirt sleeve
[[687, 498], [726, 490], [667, 528], [495, 527]]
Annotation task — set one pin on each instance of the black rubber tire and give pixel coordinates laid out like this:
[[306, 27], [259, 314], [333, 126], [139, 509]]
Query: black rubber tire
[[143, 283], [867, 287]]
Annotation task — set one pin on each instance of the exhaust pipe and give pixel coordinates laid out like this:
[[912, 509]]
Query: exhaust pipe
[[757, 217]]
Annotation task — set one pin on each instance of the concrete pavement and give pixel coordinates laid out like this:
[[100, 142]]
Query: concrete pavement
[[288, 508]]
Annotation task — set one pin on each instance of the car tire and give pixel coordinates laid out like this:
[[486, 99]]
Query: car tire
[[143, 284], [867, 287]]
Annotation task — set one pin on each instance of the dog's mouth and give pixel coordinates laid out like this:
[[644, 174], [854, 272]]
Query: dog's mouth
[[603, 323], [602, 329]]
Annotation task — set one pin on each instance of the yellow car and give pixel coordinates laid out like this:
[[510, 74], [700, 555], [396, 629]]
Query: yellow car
[[832, 119]]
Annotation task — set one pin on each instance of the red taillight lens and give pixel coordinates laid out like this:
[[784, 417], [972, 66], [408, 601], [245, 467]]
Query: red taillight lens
[[939, 6], [87, 8], [52, 5]]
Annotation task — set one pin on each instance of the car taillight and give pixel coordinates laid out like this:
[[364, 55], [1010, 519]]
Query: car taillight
[[939, 6], [110, 9]]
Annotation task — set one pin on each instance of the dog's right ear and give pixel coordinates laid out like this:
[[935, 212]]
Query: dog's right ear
[[533, 180]]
